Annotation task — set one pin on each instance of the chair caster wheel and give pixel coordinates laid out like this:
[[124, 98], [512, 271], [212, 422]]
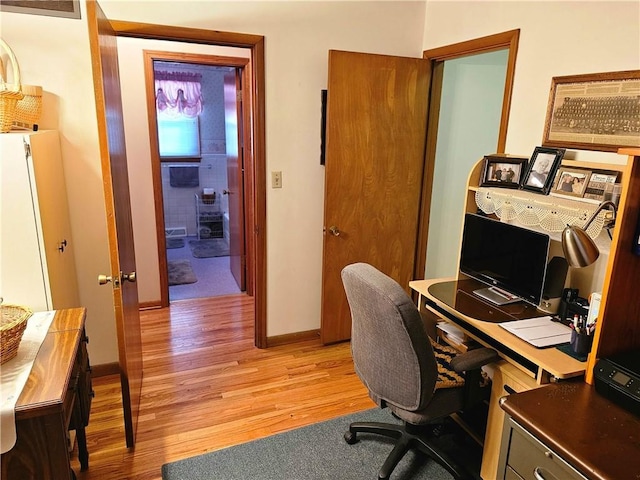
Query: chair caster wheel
[[350, 438]]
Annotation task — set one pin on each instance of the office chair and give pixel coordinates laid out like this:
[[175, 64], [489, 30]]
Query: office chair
[[420, 381]]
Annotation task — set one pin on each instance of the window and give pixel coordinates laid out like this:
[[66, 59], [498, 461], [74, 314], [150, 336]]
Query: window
[[179, 137]]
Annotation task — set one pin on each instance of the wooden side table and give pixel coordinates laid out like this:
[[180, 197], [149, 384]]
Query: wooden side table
[[56, 397]]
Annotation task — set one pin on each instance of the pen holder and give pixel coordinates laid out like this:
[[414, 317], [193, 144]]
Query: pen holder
[[581, 342]]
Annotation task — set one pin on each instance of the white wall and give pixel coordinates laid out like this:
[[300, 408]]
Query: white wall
[[558, 38], [55, 53], [298, 36]]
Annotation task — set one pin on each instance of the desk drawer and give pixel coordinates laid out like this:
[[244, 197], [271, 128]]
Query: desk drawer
[[531, 459], [511, 475]]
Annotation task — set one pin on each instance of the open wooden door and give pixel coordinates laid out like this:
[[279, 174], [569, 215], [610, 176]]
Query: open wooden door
[[235, 178], [375, 146], [118, 207]]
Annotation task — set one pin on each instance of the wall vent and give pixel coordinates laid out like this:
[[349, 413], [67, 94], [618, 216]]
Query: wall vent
[[175, 232]]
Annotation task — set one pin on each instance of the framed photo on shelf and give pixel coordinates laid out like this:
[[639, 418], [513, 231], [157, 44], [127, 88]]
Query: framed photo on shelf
[[599, 111], [542, 168], [503, 171], [602, 186], [571, 181]]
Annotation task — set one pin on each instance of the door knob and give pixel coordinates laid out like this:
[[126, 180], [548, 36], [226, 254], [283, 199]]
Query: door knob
[[130, 277], [226, 192], [335, 231], [104, 279]]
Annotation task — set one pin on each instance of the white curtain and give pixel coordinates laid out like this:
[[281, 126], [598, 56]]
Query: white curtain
[[178, 94]]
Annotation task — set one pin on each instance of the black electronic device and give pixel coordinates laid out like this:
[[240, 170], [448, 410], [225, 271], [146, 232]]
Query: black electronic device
[[571, 305], [618, 379], [510, 259]]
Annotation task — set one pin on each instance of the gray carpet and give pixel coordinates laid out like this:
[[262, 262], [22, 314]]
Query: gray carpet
[[319, 452], [180, 272], [216, 247]]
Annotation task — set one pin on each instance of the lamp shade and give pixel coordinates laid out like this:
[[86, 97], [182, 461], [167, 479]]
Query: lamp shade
[[579, 249]]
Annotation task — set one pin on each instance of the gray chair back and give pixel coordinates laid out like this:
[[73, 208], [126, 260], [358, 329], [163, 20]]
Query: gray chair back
[[391, 350]]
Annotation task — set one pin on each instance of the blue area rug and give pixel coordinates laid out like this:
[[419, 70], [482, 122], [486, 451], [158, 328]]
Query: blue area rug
[[319, 452]]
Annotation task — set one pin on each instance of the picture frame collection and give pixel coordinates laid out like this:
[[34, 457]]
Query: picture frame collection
[[544, 173]]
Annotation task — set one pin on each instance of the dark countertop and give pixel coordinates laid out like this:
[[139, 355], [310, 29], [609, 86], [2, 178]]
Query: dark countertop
[[597, 437]]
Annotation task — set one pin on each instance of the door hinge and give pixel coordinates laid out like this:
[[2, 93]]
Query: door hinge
[[239, 95], [27, 149]]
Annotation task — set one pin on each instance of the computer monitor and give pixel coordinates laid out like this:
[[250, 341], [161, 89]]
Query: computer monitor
[[510, 259]]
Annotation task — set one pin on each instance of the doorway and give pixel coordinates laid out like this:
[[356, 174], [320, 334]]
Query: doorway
[[201, 197], [251, 49]]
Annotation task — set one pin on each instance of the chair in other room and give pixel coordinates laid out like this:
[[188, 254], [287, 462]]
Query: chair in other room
[[419, 381]]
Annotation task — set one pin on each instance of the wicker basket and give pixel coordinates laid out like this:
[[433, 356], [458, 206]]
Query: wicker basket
[[28, 109], [13, 321], [10, 93]]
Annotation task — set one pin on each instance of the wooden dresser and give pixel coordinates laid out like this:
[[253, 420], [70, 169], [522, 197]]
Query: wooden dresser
[[56, 398], [568, 431]]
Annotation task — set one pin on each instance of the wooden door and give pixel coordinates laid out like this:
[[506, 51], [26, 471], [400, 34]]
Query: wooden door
[[375, 145], [235, 178], [118, 207]]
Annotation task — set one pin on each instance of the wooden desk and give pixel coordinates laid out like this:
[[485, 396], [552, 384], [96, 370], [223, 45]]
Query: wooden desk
[[56, 397], [577, 425], [524, 367], [453, 301]]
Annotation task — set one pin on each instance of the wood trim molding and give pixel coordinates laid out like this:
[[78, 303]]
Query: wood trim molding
[[257, 276], [506, 40], [290, 338]]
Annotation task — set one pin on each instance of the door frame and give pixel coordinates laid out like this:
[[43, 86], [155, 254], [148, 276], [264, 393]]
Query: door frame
[[437, 57], [255, 173], [150, 56]]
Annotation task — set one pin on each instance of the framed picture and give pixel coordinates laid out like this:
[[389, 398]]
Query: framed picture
[[53, 8], [599, 111], [503, 171], [571, 181], [542, 169], [602, 186]]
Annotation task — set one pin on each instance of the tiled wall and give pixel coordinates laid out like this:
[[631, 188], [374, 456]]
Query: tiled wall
[[179, 203]]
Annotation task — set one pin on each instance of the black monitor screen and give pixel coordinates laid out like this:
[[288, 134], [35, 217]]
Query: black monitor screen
[[504, 255]]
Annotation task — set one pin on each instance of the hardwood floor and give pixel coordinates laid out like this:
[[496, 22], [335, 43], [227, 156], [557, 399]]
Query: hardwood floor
[[206, 387]]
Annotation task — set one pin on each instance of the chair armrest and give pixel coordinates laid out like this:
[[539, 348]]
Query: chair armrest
[[474, 359]]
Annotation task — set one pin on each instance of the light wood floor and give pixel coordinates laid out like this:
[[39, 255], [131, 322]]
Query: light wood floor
[[206, 387]]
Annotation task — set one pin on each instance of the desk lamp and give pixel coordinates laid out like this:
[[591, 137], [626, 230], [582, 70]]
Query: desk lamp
[[579, 248]]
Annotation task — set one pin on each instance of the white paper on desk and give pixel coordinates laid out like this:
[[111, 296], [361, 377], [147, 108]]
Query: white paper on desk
[[451, 330], [540, 331], [14, 375]]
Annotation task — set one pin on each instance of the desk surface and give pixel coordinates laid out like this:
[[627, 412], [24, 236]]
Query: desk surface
[[451, 299], [594, 435]]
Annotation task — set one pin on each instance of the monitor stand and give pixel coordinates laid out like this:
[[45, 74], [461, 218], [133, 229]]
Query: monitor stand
[[497, 296]]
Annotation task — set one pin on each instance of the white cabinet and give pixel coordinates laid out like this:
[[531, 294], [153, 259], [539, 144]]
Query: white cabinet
[[37, 266]]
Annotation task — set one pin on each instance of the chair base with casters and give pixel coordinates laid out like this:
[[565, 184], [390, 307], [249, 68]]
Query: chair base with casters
[[407, 437]]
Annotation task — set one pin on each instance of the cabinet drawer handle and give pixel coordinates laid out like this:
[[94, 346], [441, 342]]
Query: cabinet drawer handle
[[508, 389], [537, 474]]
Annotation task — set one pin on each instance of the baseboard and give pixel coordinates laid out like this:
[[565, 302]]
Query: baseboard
[[293, 338], [149, 305], [105, 369]]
